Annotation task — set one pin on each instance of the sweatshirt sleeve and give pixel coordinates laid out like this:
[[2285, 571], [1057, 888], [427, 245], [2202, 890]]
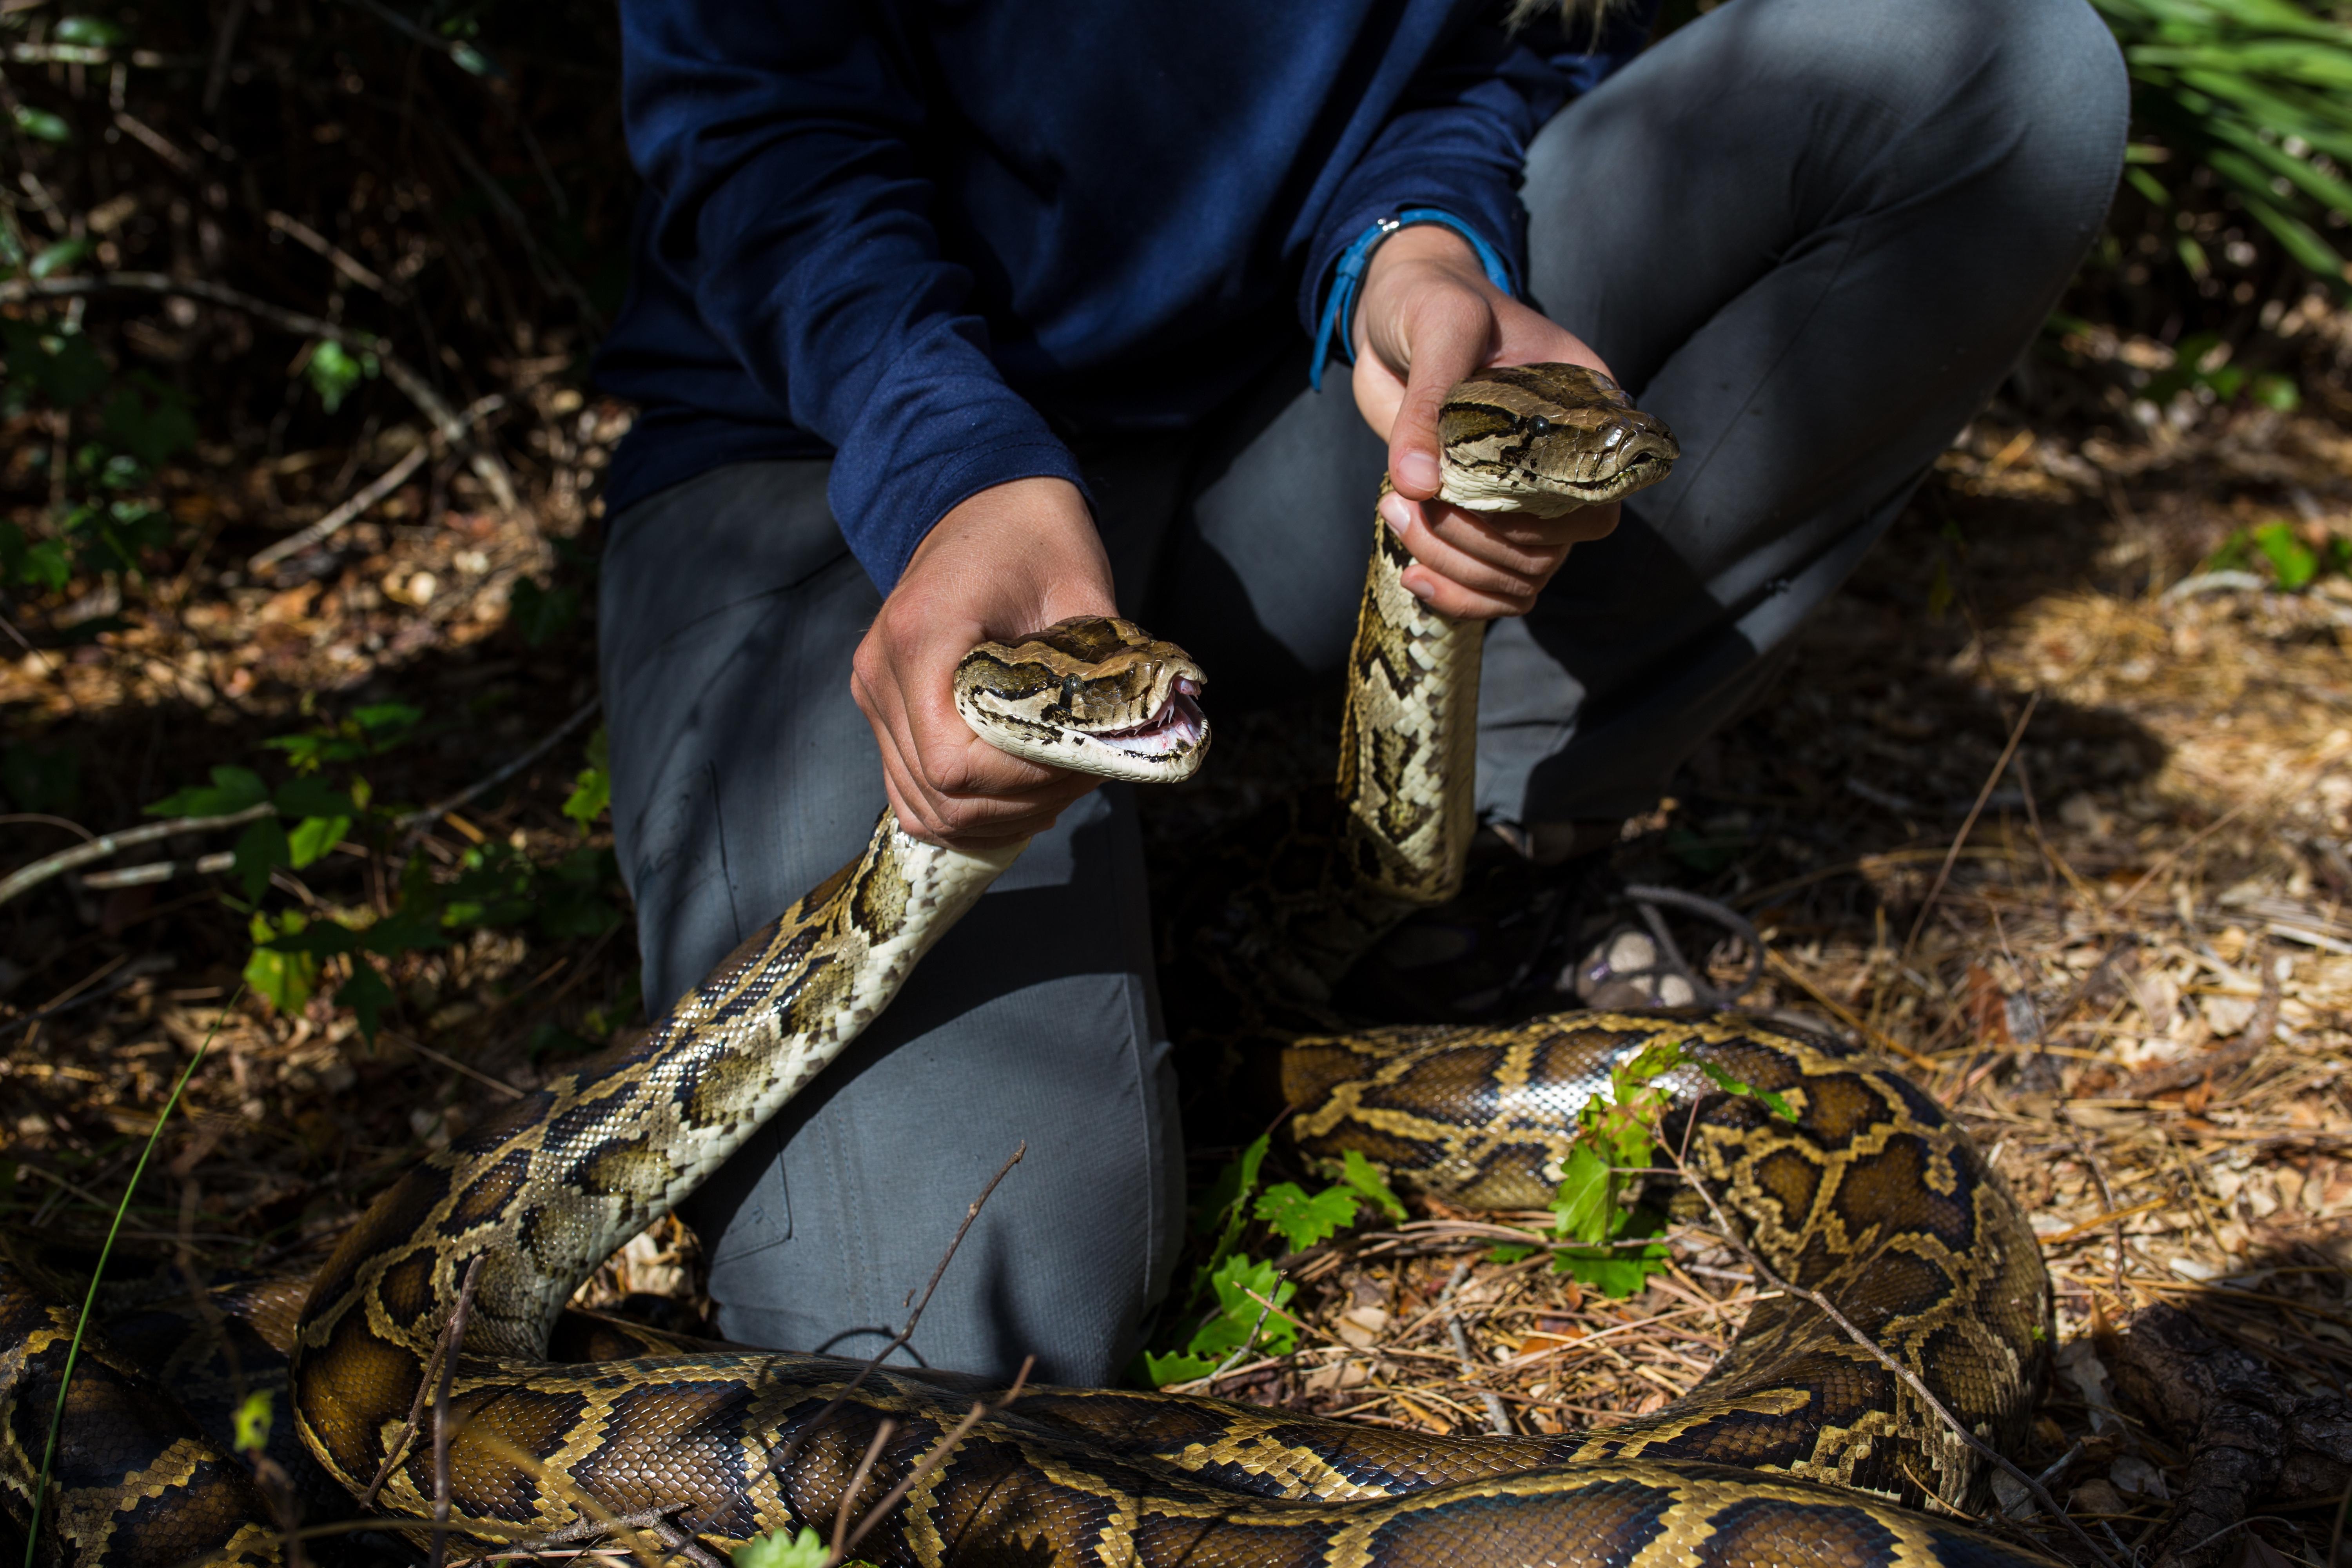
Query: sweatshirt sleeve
[[1455, 140], [776, 142]]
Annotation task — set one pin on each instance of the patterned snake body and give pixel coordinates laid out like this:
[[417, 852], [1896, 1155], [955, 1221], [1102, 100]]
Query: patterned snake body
[[1798, 1448]]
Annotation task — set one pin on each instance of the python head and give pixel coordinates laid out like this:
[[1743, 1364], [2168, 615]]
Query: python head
[[1546, 439], [1093, 693]]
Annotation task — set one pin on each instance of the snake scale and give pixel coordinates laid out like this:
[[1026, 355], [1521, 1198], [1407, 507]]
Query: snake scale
[[1798, 1448]]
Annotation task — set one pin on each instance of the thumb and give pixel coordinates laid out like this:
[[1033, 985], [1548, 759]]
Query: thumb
[[1446, 339]]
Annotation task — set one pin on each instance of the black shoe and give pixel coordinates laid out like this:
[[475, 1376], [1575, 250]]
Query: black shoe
[[1489, 952], [1643, 966]]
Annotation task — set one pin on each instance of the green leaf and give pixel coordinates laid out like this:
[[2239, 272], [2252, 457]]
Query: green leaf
[[1723, 1080], [783, 1550], [90, 32], [63, 367], [54, 259], [1360, 1173], [387, 723], [334, 372], [1176, 1367], [1234, 1280], [308, 796], [364, 993], [2276, 392], [46, 567], [42, 126], [286, 979], [1303, 1221], [1226, 1206], [314, 838], [261, 848], [251, 1423], [2292, 560], [1939, 591], [591, 792], [1614, 1274], [1585, 1199], [233, 790], [1508, 1252]]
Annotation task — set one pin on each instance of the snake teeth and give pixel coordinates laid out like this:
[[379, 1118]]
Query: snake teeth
[[1179, 723]]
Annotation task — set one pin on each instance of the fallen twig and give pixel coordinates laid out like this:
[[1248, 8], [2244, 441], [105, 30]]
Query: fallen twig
[[931, 1461], [1498, 1415], [424, 1386], [453, 1065], [2260, 1028], [160, 871], [107, 844], [858, 1484], [453, 1338], [391, 480], [780, 1457]]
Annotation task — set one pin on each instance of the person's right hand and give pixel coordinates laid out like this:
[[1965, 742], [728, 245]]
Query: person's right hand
[[1014, 558]]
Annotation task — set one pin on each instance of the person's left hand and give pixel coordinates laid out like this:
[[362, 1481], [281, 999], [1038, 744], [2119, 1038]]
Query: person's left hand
[[1427, 317]]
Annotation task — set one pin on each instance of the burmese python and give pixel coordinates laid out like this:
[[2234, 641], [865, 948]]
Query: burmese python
[[1871, 1195]]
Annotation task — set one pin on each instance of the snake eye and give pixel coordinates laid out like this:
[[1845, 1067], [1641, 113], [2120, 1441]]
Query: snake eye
[[1538, 426]]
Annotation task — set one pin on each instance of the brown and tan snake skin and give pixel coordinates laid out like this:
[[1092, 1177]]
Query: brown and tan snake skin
[[1799, 1449]]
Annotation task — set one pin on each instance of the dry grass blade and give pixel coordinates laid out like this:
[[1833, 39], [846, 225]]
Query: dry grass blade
[[1967, 825]]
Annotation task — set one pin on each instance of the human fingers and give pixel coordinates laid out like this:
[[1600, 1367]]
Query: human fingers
[[1506, 555]]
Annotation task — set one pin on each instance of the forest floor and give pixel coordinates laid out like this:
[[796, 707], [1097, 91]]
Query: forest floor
[[2045, 807]]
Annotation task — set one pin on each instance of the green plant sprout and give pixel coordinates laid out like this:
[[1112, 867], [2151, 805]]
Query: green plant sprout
[[1604, 1235], [1236, 1288], [304, 819], [2294, 565]]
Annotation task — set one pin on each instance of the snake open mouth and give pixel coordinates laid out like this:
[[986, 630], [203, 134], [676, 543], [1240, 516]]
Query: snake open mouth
[[1179, 723]]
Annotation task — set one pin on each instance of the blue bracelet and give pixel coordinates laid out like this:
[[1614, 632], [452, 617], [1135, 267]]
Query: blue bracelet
[[1339, 311]]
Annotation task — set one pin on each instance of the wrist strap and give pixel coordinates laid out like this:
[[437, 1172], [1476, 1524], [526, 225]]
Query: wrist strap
[[1340, 310]]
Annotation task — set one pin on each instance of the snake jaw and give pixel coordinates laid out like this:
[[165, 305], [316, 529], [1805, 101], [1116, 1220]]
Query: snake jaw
[[1095, 694], [1546, 439]]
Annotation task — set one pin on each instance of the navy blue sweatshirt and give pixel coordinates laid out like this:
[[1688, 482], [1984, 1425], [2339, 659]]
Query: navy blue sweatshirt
[[931, 236]]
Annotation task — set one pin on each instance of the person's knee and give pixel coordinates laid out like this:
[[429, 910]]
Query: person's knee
[[2028, 96], [2057, 82]]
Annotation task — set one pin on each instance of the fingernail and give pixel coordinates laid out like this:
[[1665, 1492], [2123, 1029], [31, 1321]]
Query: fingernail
[[1396, 511], [1417, 469]]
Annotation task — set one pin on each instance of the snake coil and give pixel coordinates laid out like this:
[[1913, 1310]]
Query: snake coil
[[1798, 1448]]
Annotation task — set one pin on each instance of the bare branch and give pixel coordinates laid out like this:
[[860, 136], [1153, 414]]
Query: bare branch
[[931, 1462], [441, 808], [453, 1339], [107, 844], [1498, 1416], [858, 1484], [399, 1449], [778, 1458]]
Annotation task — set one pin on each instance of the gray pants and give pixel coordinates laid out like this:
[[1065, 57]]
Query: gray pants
[[1810, 235]]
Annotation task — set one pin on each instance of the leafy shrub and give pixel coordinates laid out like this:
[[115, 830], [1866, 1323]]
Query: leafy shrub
[[2260, 93]]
